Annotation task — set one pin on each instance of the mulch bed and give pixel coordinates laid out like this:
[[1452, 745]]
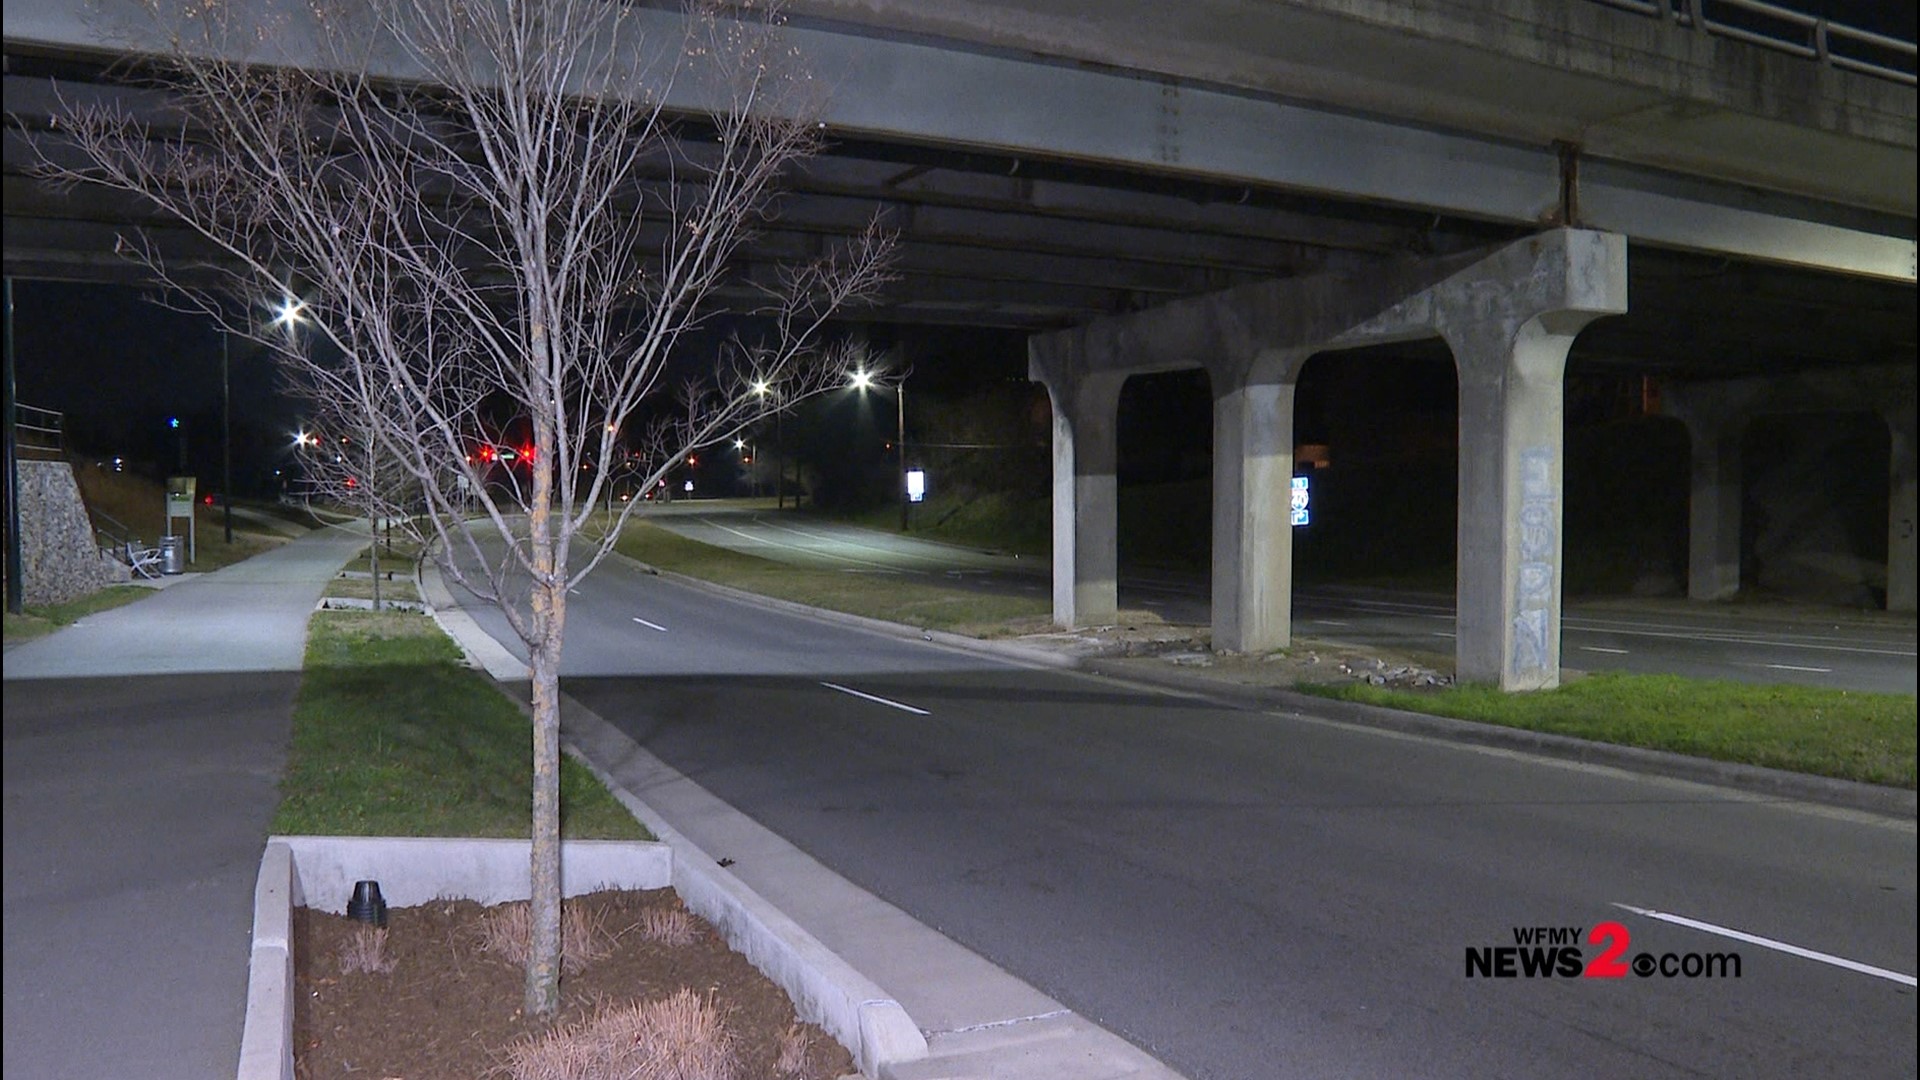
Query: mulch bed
[[448, 1008]]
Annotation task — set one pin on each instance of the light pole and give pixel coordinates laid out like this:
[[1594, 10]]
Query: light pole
[[288, 315], [862, 381], [226, 439]]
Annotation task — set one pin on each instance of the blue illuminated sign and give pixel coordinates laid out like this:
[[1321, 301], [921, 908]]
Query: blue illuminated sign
[[1301, 496]]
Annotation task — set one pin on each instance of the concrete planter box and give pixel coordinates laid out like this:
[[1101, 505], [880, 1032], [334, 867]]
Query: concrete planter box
[[319, 872]]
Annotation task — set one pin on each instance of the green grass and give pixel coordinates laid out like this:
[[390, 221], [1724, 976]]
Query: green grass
[[903, 598], [43, 619], [993, 521], [139, 504], [362, 588], [1840, 733], [393, 737]]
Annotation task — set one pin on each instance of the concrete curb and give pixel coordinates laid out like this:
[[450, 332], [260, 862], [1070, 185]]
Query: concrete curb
[[319, 872], [480, 648], [825, 989], [1773, 783]]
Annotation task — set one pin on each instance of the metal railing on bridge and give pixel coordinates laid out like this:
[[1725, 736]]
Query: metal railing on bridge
[[1782, 29]]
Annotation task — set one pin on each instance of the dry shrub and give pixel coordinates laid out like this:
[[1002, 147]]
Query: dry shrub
[[671, 927], [507, 932], [675, 1038], [366, 952], [792, 1059]]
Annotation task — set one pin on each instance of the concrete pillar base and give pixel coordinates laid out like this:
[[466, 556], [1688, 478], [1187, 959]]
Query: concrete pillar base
[[1086, 587], [1252, 533]]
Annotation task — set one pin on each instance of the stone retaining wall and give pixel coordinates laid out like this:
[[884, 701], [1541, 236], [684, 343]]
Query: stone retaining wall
[[59, 555]]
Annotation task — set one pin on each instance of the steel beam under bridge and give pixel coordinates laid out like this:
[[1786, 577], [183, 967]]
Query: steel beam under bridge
[[946, 96]]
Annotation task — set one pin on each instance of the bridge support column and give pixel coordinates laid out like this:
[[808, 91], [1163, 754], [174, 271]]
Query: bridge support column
[[1086, 413], [1713, 511], [1510, 342], [1900, 509], [1252, 532]]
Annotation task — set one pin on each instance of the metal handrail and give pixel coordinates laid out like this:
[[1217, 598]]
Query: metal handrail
[[38, 431], [1794, 32]]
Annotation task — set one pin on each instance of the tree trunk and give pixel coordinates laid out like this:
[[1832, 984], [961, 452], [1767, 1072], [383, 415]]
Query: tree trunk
[[549, 603], [543, 963]]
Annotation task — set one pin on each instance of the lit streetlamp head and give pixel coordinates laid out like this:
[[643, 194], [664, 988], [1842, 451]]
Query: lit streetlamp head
[[290, 312], [760, 388]]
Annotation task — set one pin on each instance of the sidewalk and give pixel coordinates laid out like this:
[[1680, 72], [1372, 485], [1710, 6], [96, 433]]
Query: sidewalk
[[143, 748]]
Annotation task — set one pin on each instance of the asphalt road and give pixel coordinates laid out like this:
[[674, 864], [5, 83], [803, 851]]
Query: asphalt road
[[1250, 896], [1807, 645]]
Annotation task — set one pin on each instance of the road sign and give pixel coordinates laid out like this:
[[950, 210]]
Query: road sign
[[1301, 497]]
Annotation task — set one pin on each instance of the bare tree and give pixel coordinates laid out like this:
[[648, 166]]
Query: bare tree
[[499, 218]]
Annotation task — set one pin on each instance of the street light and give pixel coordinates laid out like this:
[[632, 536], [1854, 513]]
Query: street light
[[862, 381], [288, 314], [760, 390]]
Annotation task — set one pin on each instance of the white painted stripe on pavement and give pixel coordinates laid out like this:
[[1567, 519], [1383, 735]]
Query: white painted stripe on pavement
[[1719, 638], [879, 700], [653, 625], [1598, 648], [1797, 667], [1332, 622], [1769, 943], [1440, 633]]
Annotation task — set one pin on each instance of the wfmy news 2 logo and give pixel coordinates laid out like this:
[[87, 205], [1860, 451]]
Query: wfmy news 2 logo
[[1556, 952]]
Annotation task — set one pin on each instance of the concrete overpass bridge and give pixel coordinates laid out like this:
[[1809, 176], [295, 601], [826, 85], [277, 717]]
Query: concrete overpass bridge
[[1240, 185]]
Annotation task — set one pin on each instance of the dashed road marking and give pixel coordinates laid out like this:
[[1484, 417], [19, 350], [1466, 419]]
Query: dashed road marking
[[878, 700]]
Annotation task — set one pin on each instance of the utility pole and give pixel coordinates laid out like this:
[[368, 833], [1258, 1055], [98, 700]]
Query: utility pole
[[226, 438]]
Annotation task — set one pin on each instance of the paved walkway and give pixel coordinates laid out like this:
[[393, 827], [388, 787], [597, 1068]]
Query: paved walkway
[[143, 747]]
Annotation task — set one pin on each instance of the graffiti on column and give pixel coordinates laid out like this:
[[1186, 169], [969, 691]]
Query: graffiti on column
[[1539, 544]]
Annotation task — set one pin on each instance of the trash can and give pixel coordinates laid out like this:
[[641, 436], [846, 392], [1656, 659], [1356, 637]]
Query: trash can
[[173, 558]]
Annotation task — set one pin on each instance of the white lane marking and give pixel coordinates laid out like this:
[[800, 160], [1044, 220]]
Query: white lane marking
[[1769, 943], [1797, 667], [1440, 633], [879, 700], [575, 592], [1331, 622], [1718, 638], [1598, 648], [653, 625]]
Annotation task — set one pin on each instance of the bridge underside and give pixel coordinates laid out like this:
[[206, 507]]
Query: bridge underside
[[1146, 239]]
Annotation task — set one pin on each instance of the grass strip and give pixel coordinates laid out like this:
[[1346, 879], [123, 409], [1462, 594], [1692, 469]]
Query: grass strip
[[1848, 734], [42, 619], [392, 736], [916, 600]]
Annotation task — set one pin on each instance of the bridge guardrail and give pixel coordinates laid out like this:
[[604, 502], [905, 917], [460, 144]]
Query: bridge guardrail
[[1783, 29]]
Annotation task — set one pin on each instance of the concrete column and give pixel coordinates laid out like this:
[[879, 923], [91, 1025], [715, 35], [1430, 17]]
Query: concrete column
[[1900, 510], [1713, 515], [1085, 498], [1252, 535], [1510, 321], [1512, 421]]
